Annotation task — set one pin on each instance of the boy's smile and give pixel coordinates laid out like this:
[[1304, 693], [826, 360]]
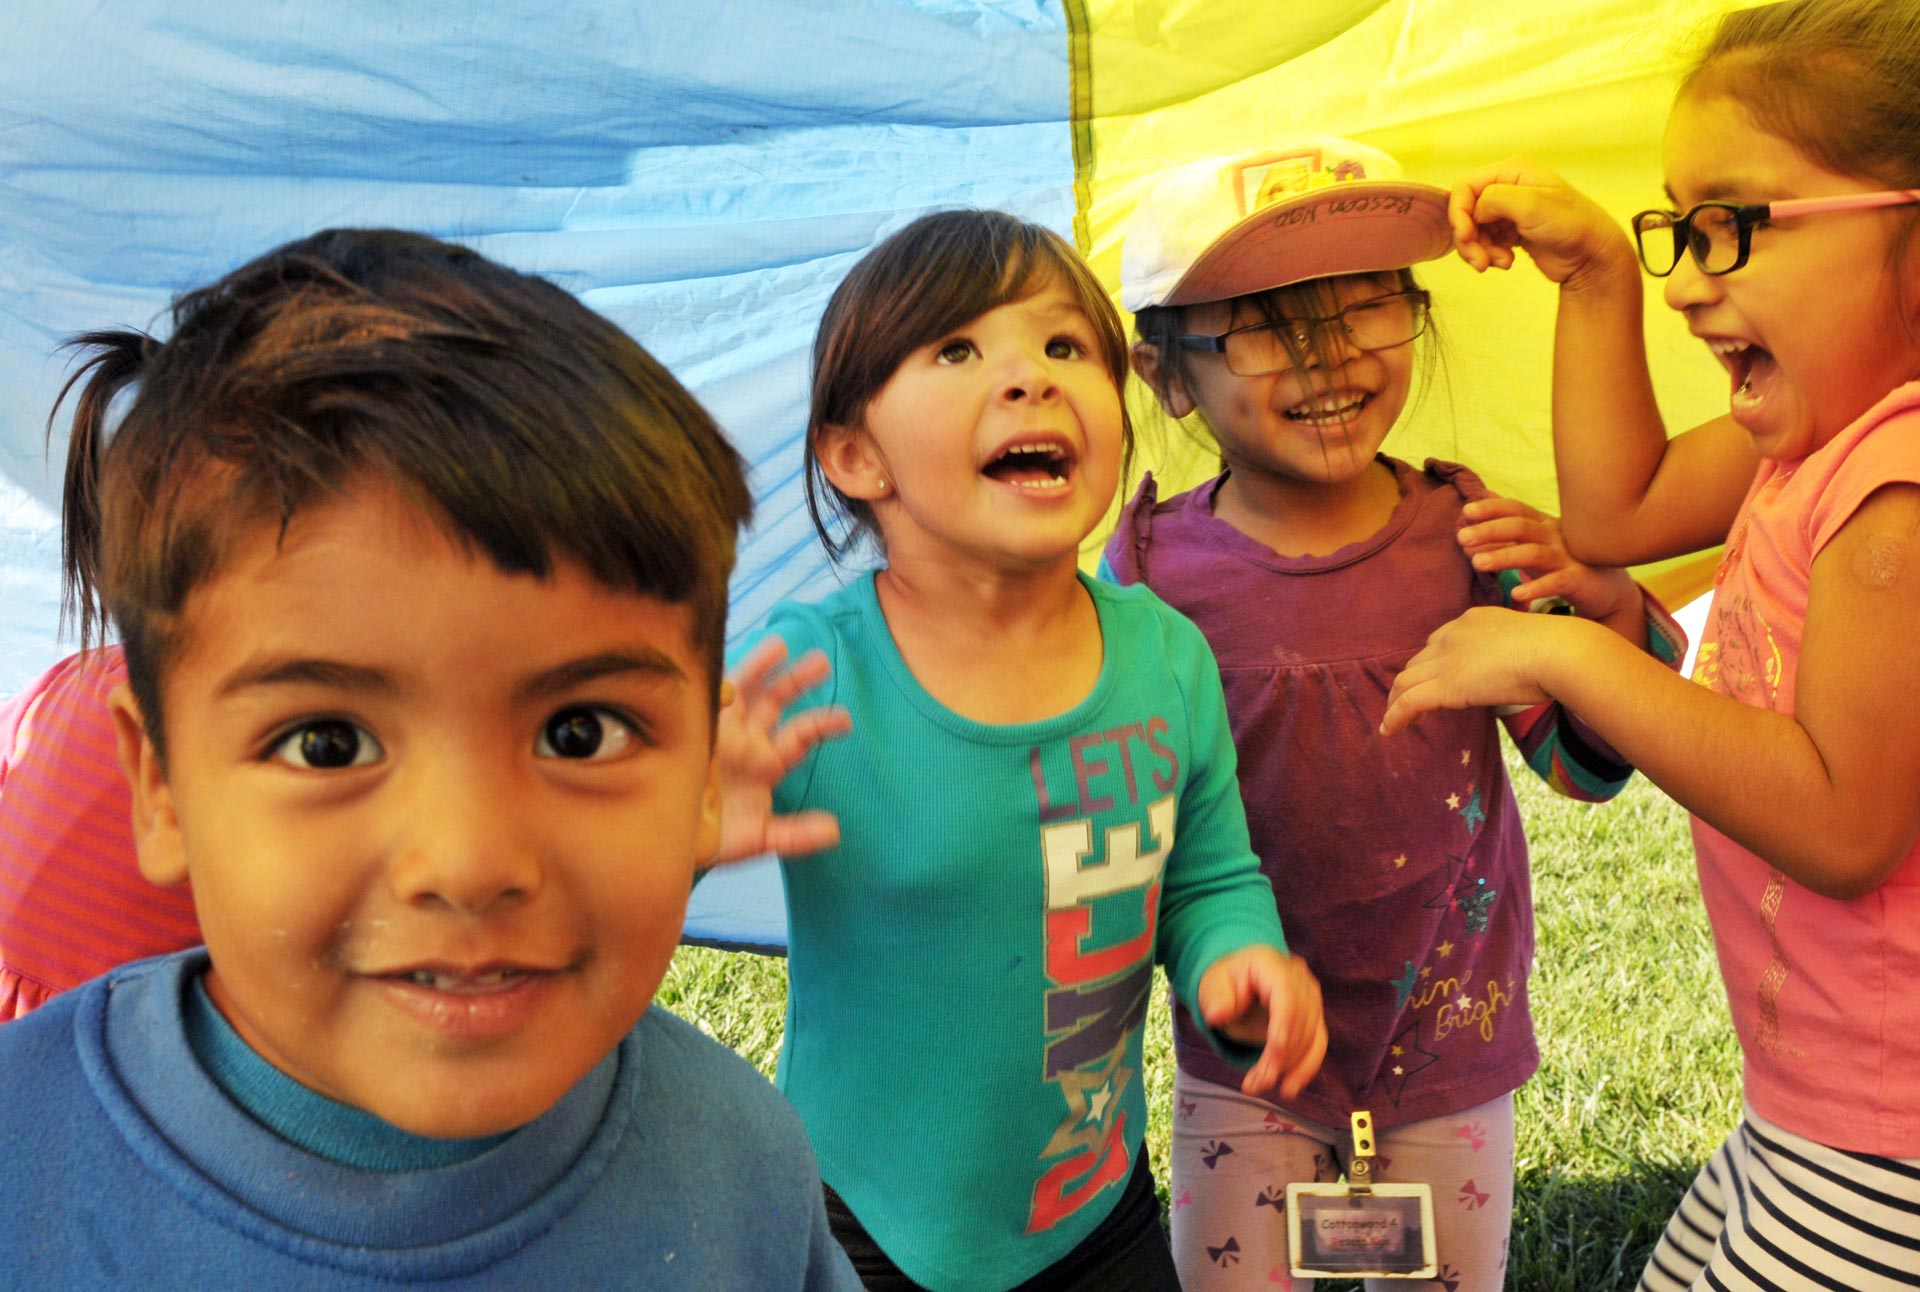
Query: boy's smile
[[440, 821]]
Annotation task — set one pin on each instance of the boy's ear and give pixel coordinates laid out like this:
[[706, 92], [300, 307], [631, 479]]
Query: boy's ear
[[156, 831], [707, 837], [1166, 385], [849, 460]]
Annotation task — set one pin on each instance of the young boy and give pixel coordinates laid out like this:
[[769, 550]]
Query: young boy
[[421, 572]]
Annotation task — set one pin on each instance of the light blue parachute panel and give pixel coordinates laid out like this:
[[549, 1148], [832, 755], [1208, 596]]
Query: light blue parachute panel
[[703, 174]]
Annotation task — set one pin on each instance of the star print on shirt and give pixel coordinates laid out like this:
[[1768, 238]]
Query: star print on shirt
[[1473, 814], [1396, 1077], [1477, 903], [1091, 1093], [1403, 985]]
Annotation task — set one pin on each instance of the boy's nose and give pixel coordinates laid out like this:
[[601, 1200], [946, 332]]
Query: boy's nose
[[460, 851]]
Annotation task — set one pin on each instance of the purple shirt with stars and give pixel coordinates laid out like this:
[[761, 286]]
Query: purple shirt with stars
[[1398, 862]]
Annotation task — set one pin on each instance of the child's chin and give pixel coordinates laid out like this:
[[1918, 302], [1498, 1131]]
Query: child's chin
[[466, 1119]]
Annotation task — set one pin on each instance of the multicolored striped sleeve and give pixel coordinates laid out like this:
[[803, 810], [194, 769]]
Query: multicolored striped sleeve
[[1569, 755]]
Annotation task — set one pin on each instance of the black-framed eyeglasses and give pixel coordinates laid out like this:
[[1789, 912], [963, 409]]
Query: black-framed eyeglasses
[[1259, 348], [1719, 235]]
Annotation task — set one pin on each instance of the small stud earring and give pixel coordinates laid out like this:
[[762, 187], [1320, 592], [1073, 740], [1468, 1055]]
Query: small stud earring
[[881, 481]]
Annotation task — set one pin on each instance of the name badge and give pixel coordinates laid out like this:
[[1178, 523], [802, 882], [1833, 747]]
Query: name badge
[[1361, 1228], [1386, 1232]]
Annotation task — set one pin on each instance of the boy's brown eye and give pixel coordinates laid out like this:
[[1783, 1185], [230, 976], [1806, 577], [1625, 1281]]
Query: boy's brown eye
[[331, 744], [326, 744], [582, 732], [574, 733]]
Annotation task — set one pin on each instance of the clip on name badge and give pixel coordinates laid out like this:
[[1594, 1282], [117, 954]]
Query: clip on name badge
[[1361, 1228]]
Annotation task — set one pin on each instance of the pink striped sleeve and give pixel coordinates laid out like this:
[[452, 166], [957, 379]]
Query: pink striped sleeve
[[72, 901]]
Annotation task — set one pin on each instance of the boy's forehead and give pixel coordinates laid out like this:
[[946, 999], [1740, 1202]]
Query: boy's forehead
[[368, 573]]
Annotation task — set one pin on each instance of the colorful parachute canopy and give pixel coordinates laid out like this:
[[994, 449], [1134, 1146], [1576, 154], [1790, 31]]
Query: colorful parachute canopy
[[704, 175]]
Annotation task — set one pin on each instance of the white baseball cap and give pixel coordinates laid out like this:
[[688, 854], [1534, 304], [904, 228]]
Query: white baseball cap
[[1229, 226]]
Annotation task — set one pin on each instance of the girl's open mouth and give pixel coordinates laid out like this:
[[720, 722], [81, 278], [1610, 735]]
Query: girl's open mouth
[[1751, 367], [1038, 466]]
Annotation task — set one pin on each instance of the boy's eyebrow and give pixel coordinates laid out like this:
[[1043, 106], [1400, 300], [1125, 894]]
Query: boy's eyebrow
[[300, 670], [281, 670], [591, 668]]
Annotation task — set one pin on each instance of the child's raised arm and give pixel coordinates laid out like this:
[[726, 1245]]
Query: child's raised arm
[[754, 749], [1829, 794], [1627, 493]]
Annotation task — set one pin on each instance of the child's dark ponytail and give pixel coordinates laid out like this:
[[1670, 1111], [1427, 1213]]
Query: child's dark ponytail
[[115, 362]]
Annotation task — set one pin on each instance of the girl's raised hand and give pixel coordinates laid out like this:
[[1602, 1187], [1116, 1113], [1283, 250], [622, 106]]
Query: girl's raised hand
[[1260, 996], [754, 749], [1506, 534], [1518, 203]]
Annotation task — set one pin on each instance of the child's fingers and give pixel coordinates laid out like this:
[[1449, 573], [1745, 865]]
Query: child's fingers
[[1504, 531], [750, 673], [803, 832], [799, 734], [790, 683], [1517, 556], [1309, 1055], [1221, 994], [1466, 230], [1415, 690], [1295, 1038], [1498, 506], [1483, 234]]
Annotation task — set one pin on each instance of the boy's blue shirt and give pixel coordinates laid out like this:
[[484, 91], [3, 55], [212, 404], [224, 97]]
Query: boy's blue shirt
[[672, 1164], [969, 968]]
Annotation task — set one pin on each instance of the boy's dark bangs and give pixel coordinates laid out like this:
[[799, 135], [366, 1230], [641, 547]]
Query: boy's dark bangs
[[524, 467]]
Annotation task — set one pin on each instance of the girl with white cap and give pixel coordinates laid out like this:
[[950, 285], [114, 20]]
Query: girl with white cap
[[1273, 294]]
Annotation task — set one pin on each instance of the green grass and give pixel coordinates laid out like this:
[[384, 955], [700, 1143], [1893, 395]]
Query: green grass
[[1639, 1074]]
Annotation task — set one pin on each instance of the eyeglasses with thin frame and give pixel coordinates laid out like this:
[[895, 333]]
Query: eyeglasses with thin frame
[[1259, 348], [1719, 235]]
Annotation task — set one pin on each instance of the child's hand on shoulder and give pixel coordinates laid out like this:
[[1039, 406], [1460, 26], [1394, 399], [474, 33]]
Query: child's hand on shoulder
[[1261, 996], [1507, 534], [1519, 203], [754, 749]]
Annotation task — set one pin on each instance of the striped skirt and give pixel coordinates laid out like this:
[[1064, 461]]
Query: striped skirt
[[1773, 1211]]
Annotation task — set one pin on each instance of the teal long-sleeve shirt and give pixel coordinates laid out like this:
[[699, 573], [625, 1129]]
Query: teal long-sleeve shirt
[[970, 967]]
